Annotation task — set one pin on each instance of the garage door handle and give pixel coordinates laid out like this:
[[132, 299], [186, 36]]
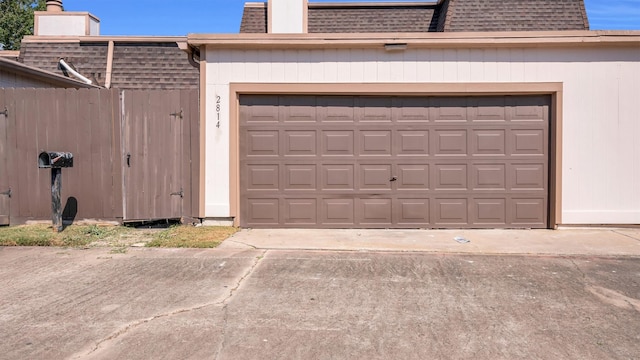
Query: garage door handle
[[394, 178]]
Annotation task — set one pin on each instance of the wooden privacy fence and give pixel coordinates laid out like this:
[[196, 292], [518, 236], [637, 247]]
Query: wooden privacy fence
[[135, 153]]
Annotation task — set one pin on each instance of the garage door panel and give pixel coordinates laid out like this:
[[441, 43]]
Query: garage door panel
[[300, 177], [263, 211], [300, 143], [489, 211], [375, 143], [451, 142], [338, 143], [412, 177], [528, 108], [451, 177], [528, 142], [487, 109], [528, 211], [413, 211], [375, 177], [374, 109], [336, 109], [412, 143], [263, 177], [374, 212], [298, 109], [489, 177], [338, 177], [527, 177], [411, 110], [300, 211], [449, 110], [385, 161], [260, 109], [337, 212], [489, 142], [451, 212], [262, 143]]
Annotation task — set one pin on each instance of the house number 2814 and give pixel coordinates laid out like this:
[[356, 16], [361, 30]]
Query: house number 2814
[[218, 108]]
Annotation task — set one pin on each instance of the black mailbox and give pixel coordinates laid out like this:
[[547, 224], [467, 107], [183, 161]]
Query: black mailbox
[[55, 159]]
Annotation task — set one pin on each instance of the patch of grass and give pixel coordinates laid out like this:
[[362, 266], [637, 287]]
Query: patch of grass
[[118, 237], [72, 236], [191, 237], [36, 235]]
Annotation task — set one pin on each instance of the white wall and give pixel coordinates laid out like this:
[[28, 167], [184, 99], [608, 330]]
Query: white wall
[[94, 27], [601, 144], [62, 25], [9, 79]]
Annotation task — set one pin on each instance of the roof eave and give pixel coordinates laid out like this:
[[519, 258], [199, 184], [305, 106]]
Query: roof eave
[[105, 39], [432, 39], [40, 74]]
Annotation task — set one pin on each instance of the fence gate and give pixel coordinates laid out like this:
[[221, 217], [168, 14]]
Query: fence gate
[[156, 151], [5, 191]]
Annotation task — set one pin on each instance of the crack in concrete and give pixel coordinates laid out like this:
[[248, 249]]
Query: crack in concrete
[[584, 275], [223, 332], [225, 308], [241, 243], [627, 235], [246, 275], [223, 302]]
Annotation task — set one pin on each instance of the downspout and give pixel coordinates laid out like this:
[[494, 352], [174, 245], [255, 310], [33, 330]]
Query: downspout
[[194, 57], [107, 81], [193, 53], [73, 72]]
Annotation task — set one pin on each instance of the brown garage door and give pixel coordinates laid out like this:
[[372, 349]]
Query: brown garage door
[[394, 162]]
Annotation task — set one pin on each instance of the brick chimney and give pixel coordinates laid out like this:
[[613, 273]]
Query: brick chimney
[[57, 22], [287, 16]]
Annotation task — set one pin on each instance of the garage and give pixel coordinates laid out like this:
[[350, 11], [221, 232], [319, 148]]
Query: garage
[[394, 161]]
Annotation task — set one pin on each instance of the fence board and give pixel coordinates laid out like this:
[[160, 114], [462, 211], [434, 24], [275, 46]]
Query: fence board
[[5, 199]]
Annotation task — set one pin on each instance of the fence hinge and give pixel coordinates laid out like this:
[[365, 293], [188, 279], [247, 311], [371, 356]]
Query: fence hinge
[[6, 193], [179, 193], [177, 114], [5, 112]]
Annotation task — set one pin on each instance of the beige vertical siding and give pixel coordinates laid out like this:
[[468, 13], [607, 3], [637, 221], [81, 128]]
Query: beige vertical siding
[[9, 79], [601, 119]]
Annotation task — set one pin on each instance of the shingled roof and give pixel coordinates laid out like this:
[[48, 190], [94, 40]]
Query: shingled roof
[[515, 15], [136, 65], [360, 19], [443, 15]]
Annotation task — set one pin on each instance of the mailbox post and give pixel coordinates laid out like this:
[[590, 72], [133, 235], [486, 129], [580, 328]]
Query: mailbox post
[[55, 161]]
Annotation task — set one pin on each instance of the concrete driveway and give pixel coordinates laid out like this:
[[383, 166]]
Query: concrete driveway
[[246, 303]]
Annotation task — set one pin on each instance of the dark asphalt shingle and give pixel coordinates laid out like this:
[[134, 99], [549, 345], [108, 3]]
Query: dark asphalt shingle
[[448, 15]]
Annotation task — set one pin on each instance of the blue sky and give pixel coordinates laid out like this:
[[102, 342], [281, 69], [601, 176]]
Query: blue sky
[[180, 17]]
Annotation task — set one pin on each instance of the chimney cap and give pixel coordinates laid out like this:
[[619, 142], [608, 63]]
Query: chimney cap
[[54, 5]]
